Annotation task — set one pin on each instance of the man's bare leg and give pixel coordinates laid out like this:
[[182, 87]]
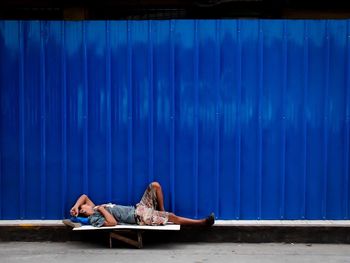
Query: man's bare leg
[[178, 219], [159, 194], [188, 221]]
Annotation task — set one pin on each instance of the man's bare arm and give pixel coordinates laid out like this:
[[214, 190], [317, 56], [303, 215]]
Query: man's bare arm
[[83, 199], [109, 219]]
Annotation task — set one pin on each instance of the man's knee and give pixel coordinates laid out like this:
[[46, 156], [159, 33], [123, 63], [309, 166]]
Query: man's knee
[[174, 218], [171, 215], [156, 185]]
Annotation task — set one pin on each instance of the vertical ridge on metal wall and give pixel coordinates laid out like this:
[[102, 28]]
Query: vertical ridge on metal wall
[[283, 121], [238, 118], [2, 128], [325, 127], [1, 197], [1, 194], [130, 126], [108, 113], [85, 114], [347, 124], [64, 120], [217, 119], [305, 123], [172, 114], [1, 156], [260, 117], [196, 102], [22, 173], [42, 122], [150, 109]]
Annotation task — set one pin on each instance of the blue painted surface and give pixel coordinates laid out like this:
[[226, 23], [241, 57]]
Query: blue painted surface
[[246, 118]]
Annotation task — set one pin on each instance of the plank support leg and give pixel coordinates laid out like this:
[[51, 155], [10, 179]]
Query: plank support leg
[[136, 243]]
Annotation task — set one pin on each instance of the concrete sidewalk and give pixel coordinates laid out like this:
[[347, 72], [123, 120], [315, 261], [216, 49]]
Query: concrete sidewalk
[[72, 252], [223, 231]]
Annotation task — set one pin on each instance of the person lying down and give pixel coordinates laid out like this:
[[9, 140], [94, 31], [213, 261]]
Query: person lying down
[[149, 211]]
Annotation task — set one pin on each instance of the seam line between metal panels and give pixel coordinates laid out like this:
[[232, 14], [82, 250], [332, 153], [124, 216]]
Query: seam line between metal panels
[[22, 192], [108, 113], [86, 114], [238, 118], [172, 117], [1, 141], [305, 131], [150, 109], [347, 120], [217, 119], [42, 120], [325, 128], [260, 133], [64, 120], [283, 121], [130, 126], [195, 146]]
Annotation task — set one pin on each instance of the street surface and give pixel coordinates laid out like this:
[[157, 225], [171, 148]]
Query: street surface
[[81, 252]]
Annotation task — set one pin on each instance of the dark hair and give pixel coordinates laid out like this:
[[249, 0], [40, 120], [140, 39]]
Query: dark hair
[[82, 215]]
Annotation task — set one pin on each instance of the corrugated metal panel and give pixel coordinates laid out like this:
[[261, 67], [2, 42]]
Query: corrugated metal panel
[[246, 118]]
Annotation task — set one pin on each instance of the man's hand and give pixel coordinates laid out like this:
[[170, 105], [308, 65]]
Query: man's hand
[[74, 211], [83, 199]]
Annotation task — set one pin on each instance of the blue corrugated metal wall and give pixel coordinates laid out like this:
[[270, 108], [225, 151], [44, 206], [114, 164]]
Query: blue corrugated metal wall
[[246, 118]]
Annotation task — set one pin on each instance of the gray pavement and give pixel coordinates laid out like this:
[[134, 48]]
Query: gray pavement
[[80, 252]]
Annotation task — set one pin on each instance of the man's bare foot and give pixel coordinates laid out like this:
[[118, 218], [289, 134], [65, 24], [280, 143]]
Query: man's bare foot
[[210, 220]]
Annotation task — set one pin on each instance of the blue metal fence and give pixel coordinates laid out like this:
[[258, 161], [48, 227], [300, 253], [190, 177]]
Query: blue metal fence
[[246, 118]]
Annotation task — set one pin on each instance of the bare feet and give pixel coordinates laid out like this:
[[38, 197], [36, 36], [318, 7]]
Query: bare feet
[[210, 220]]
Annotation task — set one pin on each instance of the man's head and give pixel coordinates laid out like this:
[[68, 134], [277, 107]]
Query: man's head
[[86, 210]]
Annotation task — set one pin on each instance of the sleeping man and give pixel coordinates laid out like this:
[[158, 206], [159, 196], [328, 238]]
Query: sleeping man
[[149, 211]]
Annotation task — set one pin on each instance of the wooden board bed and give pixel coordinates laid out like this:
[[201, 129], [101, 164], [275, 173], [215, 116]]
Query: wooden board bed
[[116, 232]]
